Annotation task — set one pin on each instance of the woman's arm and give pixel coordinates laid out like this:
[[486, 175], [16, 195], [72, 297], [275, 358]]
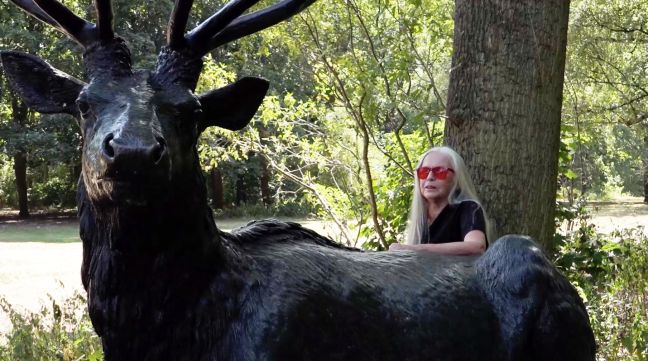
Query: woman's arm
[[474, 243]]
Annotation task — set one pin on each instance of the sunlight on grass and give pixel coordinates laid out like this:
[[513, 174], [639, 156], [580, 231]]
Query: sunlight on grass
[[67, 232], [47, 233]]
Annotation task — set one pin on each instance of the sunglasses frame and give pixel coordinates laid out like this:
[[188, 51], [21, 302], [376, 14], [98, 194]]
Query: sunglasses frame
[[440, 173]]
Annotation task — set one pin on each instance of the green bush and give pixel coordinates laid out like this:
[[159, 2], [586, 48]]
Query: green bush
[[610, 272], [54, 192], [8, 197], [60, 332], [283, 208]]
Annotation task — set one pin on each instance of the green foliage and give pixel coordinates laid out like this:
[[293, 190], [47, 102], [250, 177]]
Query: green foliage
[[54, 192], [610, 271], [363, 86], [394, 188], [44, 140], [605, 122], [8, 195], [60, 332]]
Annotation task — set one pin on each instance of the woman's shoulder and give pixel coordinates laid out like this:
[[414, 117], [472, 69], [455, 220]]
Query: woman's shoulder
[[469, 204]]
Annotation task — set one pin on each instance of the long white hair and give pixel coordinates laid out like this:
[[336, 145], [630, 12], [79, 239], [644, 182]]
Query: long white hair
[[462, 190]]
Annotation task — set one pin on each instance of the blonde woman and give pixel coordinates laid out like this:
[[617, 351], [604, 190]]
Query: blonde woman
[[446, 215]]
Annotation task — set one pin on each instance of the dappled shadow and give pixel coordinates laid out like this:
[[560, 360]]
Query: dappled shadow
[[10, 216]]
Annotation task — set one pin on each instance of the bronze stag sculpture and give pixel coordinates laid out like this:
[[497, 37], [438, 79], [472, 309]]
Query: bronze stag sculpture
[[164, 283]]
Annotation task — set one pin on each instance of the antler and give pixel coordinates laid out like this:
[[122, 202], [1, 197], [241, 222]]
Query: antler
[[105, 53], [180, 62], [227, 24], [60, 17], [178, 23]]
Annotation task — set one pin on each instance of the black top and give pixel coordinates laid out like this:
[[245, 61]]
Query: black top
[[455, 221]]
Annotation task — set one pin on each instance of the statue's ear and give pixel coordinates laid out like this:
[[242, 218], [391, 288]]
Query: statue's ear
[[42, 87], [233, 106]]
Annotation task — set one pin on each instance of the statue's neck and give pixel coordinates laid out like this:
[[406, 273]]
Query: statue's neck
[[179, 221], [151, 272], [122, 241]]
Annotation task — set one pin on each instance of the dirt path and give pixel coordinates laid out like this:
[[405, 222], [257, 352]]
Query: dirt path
[[626, 213]]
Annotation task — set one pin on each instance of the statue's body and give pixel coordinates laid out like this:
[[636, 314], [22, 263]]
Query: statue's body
[[164, 283]]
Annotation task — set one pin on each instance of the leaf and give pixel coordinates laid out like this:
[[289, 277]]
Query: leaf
[[570, 174]]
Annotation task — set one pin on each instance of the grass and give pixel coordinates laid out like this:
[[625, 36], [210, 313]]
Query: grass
[[67, 232]]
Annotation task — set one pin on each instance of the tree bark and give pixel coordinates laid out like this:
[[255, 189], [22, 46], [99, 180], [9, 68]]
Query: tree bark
[[264, 182], [644, 162], [504, 107], [20, 171], [241, 191], [75, 171], [264, 178], [645, 180], [218, 198], [20, 114]]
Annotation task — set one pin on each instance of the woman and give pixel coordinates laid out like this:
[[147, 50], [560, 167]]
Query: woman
[[446, 215]]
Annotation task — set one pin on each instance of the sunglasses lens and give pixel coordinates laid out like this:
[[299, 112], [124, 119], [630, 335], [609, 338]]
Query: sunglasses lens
[[440, 173], [423, 173]]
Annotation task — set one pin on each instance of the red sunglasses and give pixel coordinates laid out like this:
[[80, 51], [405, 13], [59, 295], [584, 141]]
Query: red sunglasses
[[439, 173]]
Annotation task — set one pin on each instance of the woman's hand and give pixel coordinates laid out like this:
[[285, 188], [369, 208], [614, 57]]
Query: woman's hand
[[398, 247]]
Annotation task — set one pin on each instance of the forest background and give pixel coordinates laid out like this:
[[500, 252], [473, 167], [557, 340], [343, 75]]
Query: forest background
[[359, 90]]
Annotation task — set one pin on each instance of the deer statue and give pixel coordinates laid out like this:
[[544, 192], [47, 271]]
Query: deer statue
[[164, 283]]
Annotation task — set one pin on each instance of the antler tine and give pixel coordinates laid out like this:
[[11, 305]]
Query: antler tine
[[77, 28], [257, 21], [32, 9], [181, 61], [199, 36], [178, 23], [105, 54], [104, 19]]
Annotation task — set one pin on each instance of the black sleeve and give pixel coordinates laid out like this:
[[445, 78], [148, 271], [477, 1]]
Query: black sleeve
[[471, 218]]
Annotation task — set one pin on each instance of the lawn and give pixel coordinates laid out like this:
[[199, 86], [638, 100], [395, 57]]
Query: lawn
[[66, 230], [46, 232]]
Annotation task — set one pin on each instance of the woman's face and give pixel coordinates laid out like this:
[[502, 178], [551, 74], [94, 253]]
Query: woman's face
[[434, 189]]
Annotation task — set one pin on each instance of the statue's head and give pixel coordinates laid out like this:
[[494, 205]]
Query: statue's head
[[140, 128]]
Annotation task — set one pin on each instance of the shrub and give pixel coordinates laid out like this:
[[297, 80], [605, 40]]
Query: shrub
[[60, 332], [610, 272], [8, 196], [56, 191]]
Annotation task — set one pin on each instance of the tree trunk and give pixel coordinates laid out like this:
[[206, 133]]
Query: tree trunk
[[218, 198], [644, 161], [264, 182], [20, 171], [241, 192], [75, 171], [264, 179], [20, 114], [645, 180], [504, 104]]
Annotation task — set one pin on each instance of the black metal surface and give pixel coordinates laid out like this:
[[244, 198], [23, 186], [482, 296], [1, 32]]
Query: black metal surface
[[104, 19], [178, 24]]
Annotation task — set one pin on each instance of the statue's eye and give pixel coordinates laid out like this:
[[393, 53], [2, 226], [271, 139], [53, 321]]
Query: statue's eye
[[84, 107]]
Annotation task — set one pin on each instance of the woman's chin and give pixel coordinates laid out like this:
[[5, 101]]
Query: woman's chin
[[435, 195]]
